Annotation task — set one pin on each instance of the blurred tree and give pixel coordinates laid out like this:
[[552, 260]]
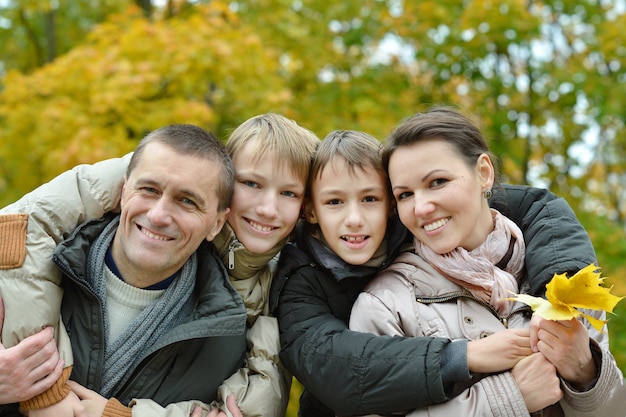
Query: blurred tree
[[128, 77], [35, 32], [81, 81]]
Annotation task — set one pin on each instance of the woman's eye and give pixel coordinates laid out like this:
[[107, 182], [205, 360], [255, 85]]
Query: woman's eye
[[403, 195], [333, 202], [438, 182]]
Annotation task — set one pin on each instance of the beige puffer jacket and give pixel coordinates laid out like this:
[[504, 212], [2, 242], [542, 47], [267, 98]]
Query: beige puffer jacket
[[50, 213], [410, 298]]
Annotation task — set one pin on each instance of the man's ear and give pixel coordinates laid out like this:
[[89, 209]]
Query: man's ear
[[222, 216], [124, 183]]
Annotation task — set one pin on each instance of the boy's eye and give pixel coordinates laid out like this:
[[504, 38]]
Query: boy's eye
[[371, 199], [289, 194], [251, 184]]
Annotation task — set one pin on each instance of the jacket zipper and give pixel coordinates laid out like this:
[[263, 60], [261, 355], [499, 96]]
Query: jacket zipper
[[452, 296], [231, 254]]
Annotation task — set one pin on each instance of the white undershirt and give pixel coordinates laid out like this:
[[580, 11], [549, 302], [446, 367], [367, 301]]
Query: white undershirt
[[125, 303]]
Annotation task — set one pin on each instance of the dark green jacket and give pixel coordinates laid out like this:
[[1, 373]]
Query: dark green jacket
[[187, 363], [350, 373]]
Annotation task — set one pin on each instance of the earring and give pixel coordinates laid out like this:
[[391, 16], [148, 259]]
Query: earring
[[487, 193]]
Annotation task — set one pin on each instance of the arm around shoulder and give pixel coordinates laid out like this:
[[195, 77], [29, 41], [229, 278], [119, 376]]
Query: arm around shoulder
[[556, 241], [350, 372], [32, 227]]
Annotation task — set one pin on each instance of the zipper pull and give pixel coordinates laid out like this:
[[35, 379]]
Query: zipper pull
[[231, 255]]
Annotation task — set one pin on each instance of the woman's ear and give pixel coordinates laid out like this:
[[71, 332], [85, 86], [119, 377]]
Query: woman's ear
[[486, 171]]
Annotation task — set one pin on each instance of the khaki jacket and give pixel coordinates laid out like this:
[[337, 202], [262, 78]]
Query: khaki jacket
[[261, 388], [410, 298]]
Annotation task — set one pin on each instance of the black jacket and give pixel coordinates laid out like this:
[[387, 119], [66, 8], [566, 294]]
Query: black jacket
[[350, 373], [188, 363]]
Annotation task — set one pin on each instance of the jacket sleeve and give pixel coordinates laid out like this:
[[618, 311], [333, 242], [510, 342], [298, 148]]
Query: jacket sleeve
[[350, 372], [148, 408], [607, 397], [34, 225], [555, 240], [262, 386], [495, 395]]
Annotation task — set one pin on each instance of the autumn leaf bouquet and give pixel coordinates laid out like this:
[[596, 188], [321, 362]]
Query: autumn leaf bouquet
[[565, 296]]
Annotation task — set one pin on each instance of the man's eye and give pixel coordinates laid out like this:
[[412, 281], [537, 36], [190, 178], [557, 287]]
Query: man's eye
[[188, 202]]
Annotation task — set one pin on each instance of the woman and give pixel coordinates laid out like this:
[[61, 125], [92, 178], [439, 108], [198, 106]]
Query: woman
[[456, 280]]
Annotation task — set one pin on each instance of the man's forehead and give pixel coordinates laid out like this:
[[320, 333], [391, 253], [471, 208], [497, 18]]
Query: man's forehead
[[187, 173]]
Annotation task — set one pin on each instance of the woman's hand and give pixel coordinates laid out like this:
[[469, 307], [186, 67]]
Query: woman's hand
[[565, 343]]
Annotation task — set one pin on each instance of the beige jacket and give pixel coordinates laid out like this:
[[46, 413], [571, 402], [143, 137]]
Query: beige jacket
[[49, 214], [410, 298]]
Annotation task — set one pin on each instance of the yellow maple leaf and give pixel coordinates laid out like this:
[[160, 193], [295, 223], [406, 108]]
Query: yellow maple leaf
[[566, 295]]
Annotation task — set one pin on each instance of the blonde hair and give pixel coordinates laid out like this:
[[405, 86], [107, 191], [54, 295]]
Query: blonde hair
[[292, 144]]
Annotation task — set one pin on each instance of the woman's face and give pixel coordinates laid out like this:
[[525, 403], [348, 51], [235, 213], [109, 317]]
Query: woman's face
[[439, 197]]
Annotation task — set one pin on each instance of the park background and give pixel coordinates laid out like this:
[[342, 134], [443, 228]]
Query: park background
[[81, 81]]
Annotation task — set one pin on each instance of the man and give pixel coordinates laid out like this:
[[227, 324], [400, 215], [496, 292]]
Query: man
[[151, 315]]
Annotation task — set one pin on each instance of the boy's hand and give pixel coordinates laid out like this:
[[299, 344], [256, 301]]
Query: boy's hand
[[216, 412], [93, 403], [499, 351], [70, 406], [527, 372]]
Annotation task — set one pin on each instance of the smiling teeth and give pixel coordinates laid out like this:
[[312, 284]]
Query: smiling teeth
[[436, 225], [260, 227], [153, 236], [353, 238]]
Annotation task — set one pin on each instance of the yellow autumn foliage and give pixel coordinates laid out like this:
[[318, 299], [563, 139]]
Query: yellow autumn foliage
[[565, 296], [130, 76]]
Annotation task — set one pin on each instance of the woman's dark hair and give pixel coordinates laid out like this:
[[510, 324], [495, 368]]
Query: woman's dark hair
[[444, 123]]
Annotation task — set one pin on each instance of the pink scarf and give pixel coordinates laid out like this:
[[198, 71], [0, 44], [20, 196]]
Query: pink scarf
[[479, 271]]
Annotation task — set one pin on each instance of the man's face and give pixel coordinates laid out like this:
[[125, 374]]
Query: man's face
[[169, 205]]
